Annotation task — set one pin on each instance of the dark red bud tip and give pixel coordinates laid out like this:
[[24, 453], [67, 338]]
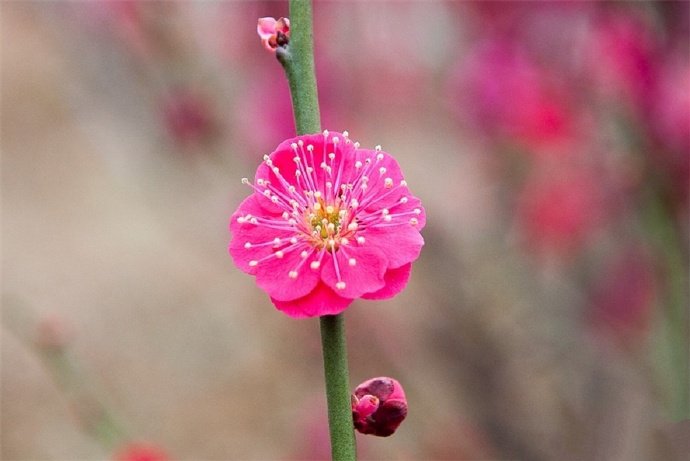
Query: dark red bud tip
[[379, 406]]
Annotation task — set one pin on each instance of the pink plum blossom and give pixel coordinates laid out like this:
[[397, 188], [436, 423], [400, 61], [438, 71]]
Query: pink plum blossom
[[379, 406], [273, 33], [328, 222]]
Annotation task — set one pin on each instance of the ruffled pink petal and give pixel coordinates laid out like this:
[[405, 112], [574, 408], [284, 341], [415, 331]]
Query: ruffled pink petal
[[254, 234], [385, 177], [266, 27], [396, 280], [283, 158], [365, 276], [321, 301], [401, 244], [273, 275]]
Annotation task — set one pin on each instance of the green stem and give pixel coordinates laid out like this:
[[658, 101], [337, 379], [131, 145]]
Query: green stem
[[298, 61], [337, 388], [677, 318]]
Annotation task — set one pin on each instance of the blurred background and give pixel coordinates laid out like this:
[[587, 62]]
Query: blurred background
[[547, 317]]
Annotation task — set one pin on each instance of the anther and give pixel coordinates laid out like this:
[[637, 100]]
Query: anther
[[304, 254], [336, 140], [294, 146], [253, 263], [245, 181], [248, 245], [352, 261], [382, 170], [378, 148], [293, 240], [414, 221], [352, 226], [340, 285], [388, 183], [276, 241], [315, 265], [403, 182], [332, 155], [292, 274], [325, 132], [417, 211], [403, 199], [344, 241], [360, 240], [358, 165], [280, 254]]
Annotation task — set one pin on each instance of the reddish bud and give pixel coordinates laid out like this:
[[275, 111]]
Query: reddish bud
[[273, 33], [379, 406]]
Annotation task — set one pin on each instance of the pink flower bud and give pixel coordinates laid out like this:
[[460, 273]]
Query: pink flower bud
[[273, 33], [379, 406]]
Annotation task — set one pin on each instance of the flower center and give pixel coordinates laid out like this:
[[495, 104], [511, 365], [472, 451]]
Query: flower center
[[326, 222]]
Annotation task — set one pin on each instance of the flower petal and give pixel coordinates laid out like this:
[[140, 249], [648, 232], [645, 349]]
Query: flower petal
[[266, 27], [396, 279], [320, 301], [243, 232], [364, 276], [401, 244], [273, 275]]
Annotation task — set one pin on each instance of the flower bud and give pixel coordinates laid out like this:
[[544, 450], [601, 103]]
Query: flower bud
[[273, 33], [379, 406]]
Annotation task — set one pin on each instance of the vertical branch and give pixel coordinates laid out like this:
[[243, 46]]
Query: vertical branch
[[298, 61]]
